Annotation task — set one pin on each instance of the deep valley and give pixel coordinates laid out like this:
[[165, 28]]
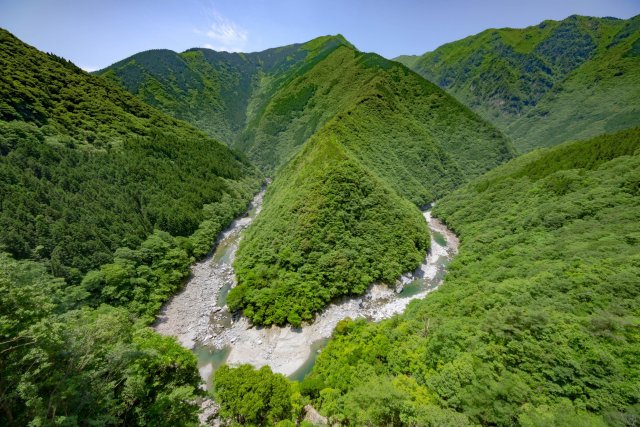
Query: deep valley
[[316, 235]]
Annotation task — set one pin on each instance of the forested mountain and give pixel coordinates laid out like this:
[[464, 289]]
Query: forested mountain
[[92, 178], [112, 184], [87, 168], [536, 323], [349, 135], [543, 85], [329, 228], [279, 98], [403, 128], [218, 92]]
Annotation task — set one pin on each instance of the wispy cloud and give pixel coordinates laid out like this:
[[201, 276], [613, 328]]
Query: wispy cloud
[[224, 34], [89, 69]]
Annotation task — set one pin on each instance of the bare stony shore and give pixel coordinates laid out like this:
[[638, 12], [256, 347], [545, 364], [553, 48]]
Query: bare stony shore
[[194, 316], [186, 315]]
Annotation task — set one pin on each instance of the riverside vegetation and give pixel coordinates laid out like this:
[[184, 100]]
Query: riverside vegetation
[[350, 135], [329, 229], [106, 201], [535, 325], [334, 221], [105, 204]]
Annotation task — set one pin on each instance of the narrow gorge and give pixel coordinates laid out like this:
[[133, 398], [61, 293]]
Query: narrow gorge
[[199, 318]]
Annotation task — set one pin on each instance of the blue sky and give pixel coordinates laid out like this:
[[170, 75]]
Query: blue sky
[[96, 33]]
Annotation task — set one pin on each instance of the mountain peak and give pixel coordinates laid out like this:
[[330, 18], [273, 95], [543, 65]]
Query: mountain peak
[[328, 40], [549, 64]]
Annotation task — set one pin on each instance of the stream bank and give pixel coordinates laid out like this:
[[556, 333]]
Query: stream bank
[[199, 318]]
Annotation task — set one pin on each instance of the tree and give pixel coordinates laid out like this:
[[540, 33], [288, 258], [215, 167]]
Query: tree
[[252, 397]]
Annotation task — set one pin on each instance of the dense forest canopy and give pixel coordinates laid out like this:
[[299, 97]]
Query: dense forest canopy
[[337, 217], [536, 323], [329, 228], [294, 108], [104, 204], [113, 184], [546, 84], [218, 92], [282, 97]]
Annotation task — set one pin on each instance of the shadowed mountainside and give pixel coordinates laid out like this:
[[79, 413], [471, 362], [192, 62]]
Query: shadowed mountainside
[[546, 84]]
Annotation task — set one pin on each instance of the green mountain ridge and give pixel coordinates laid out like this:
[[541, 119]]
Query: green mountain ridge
[[59, 98], [88, 168], [210, 89], [545, 84], [536, 321], [329, 228], [105, 202], [383, 119], [389, 125], [367, 92], [113, 184], [297, 90]]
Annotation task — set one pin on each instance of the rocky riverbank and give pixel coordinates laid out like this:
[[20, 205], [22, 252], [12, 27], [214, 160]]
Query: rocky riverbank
[[285, 349], [186, 315], [197, 316]]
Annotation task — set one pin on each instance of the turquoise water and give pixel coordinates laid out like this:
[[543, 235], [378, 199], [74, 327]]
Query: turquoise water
[[442, 269], [221, 300], [213, 356], [306, 367], [421, 284], [410, 289], [222, 255], [252, 211], [439, 238]]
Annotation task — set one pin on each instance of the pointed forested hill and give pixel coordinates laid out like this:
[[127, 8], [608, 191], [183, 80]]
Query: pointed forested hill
[[349, 135], [542, 85], [537, 321], [403, 128], [329, 227]]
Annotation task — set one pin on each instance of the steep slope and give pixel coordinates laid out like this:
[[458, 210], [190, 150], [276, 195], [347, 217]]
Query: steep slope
[[87, 168], [329, 228], [335, 220], [212, 90], [102, 366], [164, 79], [536, 323], [407, 130], [375, 119], [71, 106], [91, 177], [542, 85], [284, 96], [601, 96]]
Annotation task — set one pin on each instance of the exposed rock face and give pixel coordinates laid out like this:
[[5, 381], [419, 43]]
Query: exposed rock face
[[314, 417], [208, 413]]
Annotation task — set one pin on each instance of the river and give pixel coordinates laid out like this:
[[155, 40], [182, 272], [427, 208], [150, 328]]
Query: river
[[198, 316]]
